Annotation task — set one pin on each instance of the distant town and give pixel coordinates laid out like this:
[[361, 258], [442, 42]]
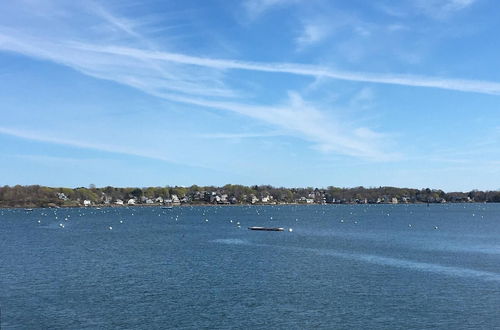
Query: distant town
[[40, 196]]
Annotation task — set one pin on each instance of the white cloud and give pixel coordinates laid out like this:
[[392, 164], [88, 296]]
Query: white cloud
[[48, 138], [477, 86], [363, 99], [300, 118], [442, 8], [201, 81], [312, 33], [437, 9], [255, 8]]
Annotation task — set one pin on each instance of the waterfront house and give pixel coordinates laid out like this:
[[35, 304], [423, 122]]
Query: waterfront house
[[175, 200]]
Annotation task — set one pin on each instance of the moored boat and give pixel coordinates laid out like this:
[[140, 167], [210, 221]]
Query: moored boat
[[267, 228]]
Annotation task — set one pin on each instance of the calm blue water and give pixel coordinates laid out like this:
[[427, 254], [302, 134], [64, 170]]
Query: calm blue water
[[342, 267]]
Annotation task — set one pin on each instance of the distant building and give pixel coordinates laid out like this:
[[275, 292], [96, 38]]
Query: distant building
[[105, 198], [131, 201], [175, 200], [394, 200], [119, 202], [87, 202], [254, 199], [62, 196], [306, 200]]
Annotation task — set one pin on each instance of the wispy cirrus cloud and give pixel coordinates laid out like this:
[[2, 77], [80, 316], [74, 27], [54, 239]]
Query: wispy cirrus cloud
[[312, 33], [201, 81], [435, 9], [295, 116], [53, 139], [442, 8], [255, 8], [464, 85]]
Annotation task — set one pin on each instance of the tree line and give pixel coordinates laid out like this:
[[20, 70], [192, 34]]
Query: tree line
[[41, 196]]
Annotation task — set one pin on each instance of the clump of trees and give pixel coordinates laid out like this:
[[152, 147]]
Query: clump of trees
[[40, 196]]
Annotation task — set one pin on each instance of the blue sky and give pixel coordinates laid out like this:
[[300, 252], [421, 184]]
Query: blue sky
[[282, 92]]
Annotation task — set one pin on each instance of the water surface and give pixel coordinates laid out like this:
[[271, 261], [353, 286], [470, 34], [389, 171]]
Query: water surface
[[343, 267]]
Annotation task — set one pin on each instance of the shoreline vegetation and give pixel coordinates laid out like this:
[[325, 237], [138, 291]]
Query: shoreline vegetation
[[35, 196]]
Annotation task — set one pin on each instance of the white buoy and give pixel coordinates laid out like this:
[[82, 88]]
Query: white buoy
[[342, 220], [409, 225], [39, 221], [121, 221], [110, 228], [290, 230], [435, 227]]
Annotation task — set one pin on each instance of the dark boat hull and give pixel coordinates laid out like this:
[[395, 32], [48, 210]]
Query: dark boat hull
[[267, 228]]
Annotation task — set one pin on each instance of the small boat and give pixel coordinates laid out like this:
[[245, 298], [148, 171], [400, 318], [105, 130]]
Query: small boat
[[267, 228], [28, 210], [167, 207]]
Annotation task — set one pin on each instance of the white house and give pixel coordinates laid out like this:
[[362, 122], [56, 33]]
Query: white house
[[131, 201], [62, 196], [119, 202], [175, 200], [87, 202]]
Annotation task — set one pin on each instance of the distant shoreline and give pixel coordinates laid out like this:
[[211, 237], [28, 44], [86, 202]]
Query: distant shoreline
[[225, 205], [46, 197]]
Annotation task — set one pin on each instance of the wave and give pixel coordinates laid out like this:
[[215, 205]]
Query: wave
[[452, 271], [235, 241], [415, 265]]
